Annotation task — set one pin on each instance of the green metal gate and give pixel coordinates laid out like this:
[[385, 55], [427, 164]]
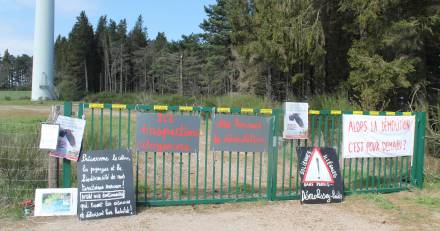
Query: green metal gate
[[218, 177]]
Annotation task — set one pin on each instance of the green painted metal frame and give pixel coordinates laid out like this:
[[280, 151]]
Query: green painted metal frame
[[163, 178]]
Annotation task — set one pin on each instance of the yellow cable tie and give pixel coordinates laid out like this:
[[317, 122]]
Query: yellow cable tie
[[246, 110], [160, 108], [335, 112], [358, 112], [185, 108], [266, 111], [375, 113], [96, 105], [314, 112], [224, 109], [390, 113], [119, 106]]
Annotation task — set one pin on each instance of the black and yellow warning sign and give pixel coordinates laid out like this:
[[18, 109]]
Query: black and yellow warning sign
[[320, 175]]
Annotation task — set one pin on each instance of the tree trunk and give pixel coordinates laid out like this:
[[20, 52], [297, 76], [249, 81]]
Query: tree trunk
[[86, 76], [269, 83]]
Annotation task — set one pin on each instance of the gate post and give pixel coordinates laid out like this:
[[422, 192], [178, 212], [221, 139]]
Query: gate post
[[417, 174], [67, 168]]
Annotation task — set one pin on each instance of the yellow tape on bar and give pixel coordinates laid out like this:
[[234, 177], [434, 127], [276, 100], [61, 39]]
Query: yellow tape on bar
[[247, 110], [335, 112], [407, 113], [266, 111], [358, 112], [119, 106], [160, 108], [390, 113], [314, 112], [224, 109], [96, 105], [185, 108], [374, 113]]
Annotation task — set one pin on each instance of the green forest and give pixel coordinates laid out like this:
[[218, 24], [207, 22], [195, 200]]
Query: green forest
[[377, 54]]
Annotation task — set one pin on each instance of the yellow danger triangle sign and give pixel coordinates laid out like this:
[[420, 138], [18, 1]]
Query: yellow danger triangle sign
[[317, 170]]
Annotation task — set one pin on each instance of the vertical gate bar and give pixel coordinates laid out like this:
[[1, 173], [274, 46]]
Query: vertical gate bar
[[180, 176], [245, 173], [163, 176], [339, 136], [154, 177], [390, 175], [407, 175], [137, 176], [92, 129], [238, 172], [172, 177], [221, 174], [274, 148], [198, 165], [367, 183], [326, 135], [313, 129], [146, 177], [260, 174], [206, 153], [420, 153], [395, 173], [230, 172], [297, 168], [349, 174], [332, 129], [355, 184], [390, 181], [362, 175], [189, 169], [384, 182], [253, 174], [67, 167], [111, 129], [129, 129], [197, 175], [213, 175], [379, 184], [101, 129], [120, 129], [400, 172], [291, 167], [319, 130], [374, 173], [189, 177], [283, 169]]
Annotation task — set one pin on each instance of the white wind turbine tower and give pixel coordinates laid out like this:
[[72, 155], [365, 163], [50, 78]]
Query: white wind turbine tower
[[43, 60]]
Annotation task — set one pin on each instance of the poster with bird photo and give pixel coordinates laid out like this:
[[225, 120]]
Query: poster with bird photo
[[70, 137], [296, 120]]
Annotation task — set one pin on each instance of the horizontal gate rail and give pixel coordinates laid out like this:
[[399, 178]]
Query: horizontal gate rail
[[166, 178]]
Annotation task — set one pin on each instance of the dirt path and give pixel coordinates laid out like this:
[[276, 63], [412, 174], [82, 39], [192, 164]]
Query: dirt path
[[356, 213]]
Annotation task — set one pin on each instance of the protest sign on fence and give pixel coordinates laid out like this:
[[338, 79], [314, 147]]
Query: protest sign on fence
[[240, 133], [296, 120], [105, 184], [69, 138], [157, 132], [377, 136], [320, 174]]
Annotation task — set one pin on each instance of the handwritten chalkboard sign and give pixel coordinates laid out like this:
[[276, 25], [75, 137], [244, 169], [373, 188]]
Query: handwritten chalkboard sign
[[105, 184], [158, 132], [240, 133], [320, 176]]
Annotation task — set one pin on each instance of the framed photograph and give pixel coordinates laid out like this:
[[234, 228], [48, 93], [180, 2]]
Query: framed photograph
[[56, 202]]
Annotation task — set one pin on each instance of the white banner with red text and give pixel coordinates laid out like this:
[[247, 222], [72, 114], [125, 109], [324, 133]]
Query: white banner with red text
[[377, 136]]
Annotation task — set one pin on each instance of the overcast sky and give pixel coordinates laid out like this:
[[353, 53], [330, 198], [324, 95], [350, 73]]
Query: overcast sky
[[174, 17]]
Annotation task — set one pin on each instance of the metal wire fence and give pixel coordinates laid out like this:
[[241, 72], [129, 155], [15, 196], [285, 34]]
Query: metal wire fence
[[23, 167]]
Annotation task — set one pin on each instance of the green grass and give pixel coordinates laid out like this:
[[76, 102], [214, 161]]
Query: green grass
[[380, 201], [22, 98]]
